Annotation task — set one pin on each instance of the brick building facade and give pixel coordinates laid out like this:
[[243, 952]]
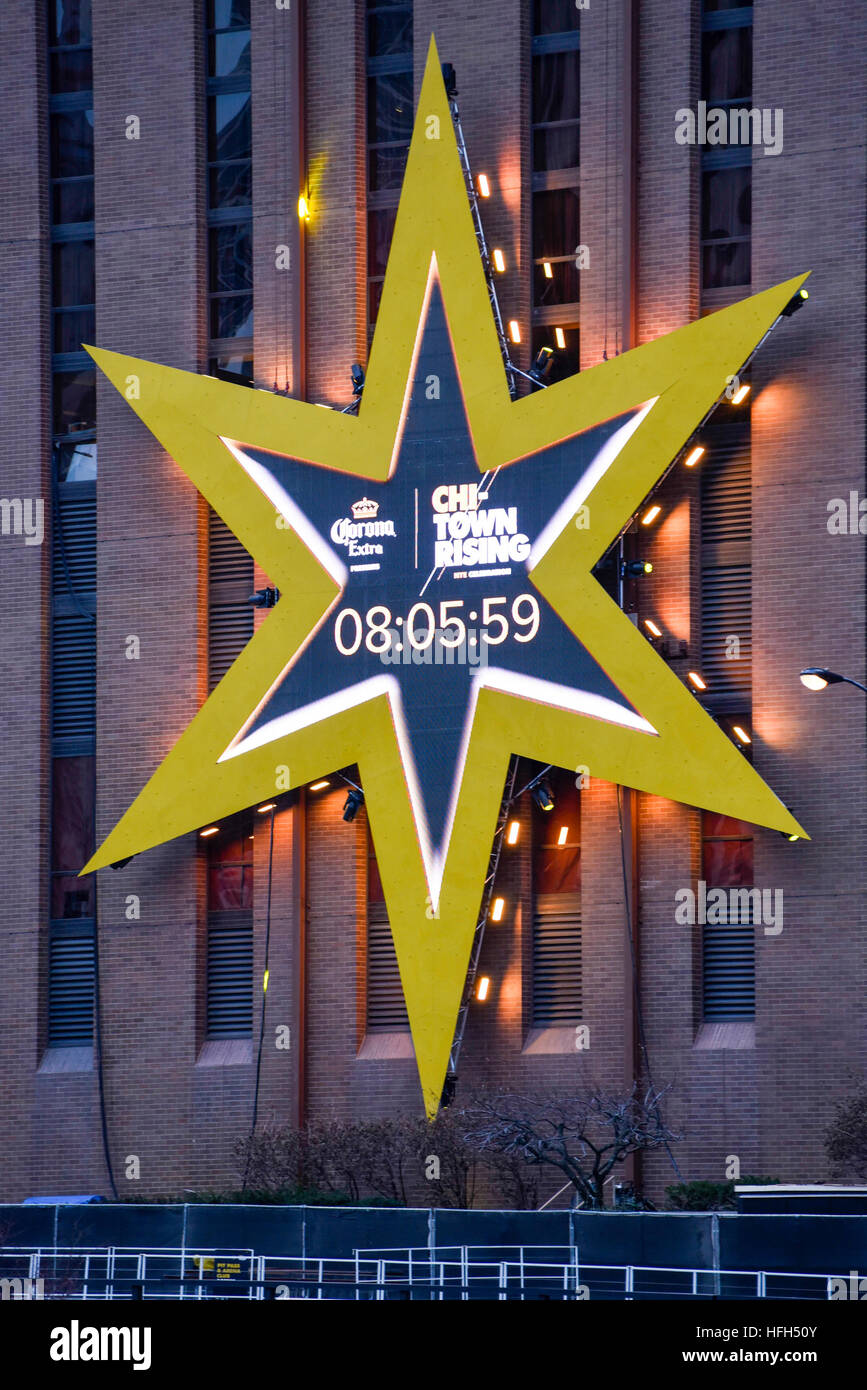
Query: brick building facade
[[187, 220]]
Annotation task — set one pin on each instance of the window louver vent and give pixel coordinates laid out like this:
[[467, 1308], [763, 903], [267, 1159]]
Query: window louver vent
[[230, 974], [230, 613], [557, 960], [386, 1008]]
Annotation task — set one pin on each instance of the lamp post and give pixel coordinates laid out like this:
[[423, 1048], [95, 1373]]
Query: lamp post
[[819, 678]]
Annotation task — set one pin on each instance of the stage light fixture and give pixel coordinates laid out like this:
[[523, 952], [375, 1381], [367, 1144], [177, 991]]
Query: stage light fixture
[[560, 338], [268, 806], [210, 830], [514, 330], [795, 303], [354, 799], [564, 835], [541, 794], [484, 186], [264, 598], [513, 832], [357, 373], [652, 628], [696, 680], [497, 909], [548, 270], [693, 456], [542, 365], [634, 569], [650, 515], [499, 260], [303, 209], [741, 394], [482, 988], [318, 786], [741, 734], [450, 79]]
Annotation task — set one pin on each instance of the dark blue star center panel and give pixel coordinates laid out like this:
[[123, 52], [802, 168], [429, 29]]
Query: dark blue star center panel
[[437, 588]]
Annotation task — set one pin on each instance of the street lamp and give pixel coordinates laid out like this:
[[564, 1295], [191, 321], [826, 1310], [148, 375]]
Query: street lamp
[[818, 677]]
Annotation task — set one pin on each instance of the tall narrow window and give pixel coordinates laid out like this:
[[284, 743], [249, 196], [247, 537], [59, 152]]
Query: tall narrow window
[[555, 146], [726, 573], [230, 930], [230, 297], [73, 579], [728, 946], [386, 1008], [230, 188], [556, 954], [726, 170], [389, 129]]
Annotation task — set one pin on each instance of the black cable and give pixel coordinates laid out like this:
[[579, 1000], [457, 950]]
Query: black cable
[[264, 1002], [97, 1015], [642, 1037]]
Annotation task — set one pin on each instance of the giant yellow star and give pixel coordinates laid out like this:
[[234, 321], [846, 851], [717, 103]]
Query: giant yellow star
[[673, 749]]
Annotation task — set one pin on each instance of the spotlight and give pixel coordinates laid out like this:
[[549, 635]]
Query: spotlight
[[497, 909], [484, 186], [795, 303], [499, 260], [741, 734], [650, 515], [317, 786], [542, 366], [817, 678], [482, 988], [268, 806], [652, 628], [741, 394], [693, 456], [792, 839], [564, 835], [541, 794], [560, 338], [357, 373], [696, 680], [264, 598], [450, 79], [514, 330], [513, 832], [303, 209], [211, 830], [634, 569], [548, 270], [354, 799]]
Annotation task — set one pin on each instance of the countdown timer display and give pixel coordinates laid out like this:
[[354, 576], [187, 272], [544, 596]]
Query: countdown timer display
[[435, 567]]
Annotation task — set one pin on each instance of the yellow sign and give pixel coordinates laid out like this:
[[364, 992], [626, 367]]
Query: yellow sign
[[665, 744]]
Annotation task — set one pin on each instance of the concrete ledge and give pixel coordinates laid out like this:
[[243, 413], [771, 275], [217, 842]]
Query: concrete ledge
[[546, 1041], [382, 1047], [713, 1036], [60, 1060], [226, 1052]]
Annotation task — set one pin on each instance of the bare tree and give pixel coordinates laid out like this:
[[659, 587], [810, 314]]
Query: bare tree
[[846, 1136], [585, 1135]]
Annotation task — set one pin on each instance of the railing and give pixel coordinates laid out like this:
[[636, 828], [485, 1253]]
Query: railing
[[446, 1273]]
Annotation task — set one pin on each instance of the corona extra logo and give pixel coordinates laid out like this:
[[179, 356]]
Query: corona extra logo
[[481, 495]]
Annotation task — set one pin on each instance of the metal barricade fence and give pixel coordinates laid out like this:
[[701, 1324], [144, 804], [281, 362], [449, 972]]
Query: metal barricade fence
[[442, 1274]]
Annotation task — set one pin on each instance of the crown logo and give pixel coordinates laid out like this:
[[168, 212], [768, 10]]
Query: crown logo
[[364, 509]]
